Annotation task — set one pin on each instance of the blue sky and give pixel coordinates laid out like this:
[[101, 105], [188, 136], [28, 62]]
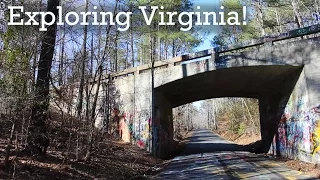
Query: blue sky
[[207, 5], [206, 41]]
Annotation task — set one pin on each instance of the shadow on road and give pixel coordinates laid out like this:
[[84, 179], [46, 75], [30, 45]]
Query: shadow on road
[[204, 141], [228, 165], [197, 148], [208, 156]]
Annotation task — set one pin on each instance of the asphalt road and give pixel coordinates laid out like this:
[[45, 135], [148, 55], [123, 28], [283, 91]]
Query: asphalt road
[[208, 156]]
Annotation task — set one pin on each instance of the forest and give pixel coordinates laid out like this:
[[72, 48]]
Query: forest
[[41, 73]]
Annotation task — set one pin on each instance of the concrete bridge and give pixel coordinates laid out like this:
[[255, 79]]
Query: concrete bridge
[[282, 73]]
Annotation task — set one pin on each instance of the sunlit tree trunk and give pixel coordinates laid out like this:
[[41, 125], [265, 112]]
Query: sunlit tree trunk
[[82, 79], [259, 6], [297, 15]]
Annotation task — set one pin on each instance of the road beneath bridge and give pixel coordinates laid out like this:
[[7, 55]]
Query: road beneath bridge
[[208, 156]]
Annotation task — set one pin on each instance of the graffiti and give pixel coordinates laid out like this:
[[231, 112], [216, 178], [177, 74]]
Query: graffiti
[[145, 129], [316, 139], [305, 30], [316, 109], [124, 129], [301, 105], [136, 132], [140, 144], [122, 125], [306, 136], [282, 136], [299, 132], [141, 132]]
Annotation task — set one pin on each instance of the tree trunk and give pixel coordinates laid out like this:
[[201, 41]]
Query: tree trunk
[[116, 46], [92, 118], [116, 53], [127, 57], [260, 17], [173, 49], [215, 125], [84, 57], [38, 141], [82, 79], [61, 64], [108, 103], [132, 42], [297, 15], [8, 148]]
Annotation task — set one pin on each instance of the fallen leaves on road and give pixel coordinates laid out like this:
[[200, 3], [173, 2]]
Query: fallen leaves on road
[[311, 169]]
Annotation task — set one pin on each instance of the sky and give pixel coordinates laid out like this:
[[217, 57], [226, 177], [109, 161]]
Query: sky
[[206, 44], [206, 5]]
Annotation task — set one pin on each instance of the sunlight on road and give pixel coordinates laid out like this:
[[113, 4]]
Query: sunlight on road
[[208, 156]]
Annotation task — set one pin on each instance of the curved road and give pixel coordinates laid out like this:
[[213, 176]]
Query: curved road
[[208, 156]]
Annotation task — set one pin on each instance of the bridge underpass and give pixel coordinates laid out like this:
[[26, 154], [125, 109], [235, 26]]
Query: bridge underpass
[[270, 84], [284, 76], [250, 82]]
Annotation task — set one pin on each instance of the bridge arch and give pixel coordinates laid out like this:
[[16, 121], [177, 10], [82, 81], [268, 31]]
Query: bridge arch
[[280, 76], [270, 84], [246, 81]]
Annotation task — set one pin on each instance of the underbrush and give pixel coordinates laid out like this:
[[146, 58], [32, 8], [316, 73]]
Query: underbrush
[[110, 158]]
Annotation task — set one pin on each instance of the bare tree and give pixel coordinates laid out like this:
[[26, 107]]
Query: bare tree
[[38, 140]]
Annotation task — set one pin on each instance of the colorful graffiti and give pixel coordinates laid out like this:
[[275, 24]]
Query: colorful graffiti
[[142, 130], [316, 139], [124, 129], [122, 125], [143, 133], [136, 132], [298, 132]]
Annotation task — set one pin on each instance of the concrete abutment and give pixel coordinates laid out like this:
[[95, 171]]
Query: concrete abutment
[[162, 127], [285, 78]]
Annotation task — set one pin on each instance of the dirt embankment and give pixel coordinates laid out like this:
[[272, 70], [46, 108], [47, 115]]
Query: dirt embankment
[[113, 160], [242, 139]]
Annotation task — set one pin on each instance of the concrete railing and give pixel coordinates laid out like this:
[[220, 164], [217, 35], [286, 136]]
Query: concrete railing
[[200, 54]]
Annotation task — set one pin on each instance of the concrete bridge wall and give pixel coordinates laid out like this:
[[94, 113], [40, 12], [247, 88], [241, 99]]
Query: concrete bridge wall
[[284, 77], [298, 132]]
